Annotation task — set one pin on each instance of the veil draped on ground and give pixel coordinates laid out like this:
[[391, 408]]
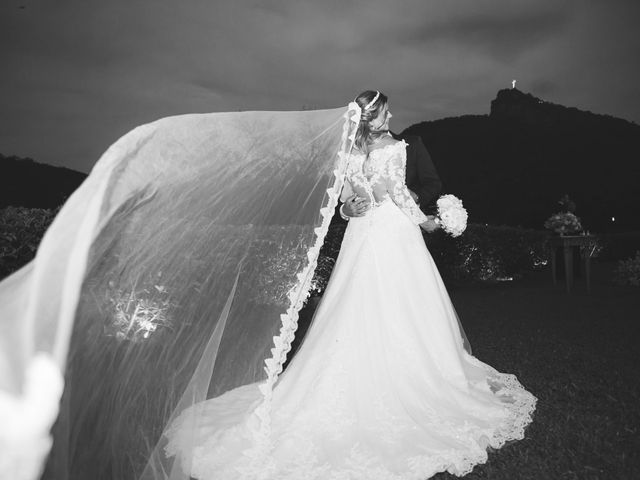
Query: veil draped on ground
[[173, 274]]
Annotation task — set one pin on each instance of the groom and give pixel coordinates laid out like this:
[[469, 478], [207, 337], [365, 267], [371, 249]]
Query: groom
[[421, 178]]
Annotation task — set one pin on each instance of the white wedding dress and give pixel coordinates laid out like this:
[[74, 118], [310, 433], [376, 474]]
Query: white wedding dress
[[381, 387]]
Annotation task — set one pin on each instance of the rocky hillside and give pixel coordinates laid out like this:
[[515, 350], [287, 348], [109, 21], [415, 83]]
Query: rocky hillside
[[26, 183], [512, 165]]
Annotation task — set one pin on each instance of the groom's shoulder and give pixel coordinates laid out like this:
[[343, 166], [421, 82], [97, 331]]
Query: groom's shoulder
[[396, 136], [414, 142], [407, 138]]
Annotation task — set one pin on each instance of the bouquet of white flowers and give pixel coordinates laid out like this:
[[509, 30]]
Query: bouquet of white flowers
[[452, 216]]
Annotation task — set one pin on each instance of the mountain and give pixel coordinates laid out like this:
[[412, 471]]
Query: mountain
[[26, 183], [512, 166]]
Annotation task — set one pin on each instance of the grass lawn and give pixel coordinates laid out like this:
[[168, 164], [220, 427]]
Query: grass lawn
[[579, 354]]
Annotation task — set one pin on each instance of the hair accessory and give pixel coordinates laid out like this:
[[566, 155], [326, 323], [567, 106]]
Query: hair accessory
[[370, 104]]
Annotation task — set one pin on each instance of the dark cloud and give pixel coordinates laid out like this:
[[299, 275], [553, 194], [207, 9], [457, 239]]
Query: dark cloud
[[504, 37]]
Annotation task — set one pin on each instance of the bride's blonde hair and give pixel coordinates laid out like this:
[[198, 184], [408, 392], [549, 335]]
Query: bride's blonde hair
[[371, 102]]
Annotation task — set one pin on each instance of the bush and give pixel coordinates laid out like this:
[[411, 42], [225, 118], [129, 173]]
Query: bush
[[482, 253], [618, 246], [21, 230], [488, 253], [627, 271]]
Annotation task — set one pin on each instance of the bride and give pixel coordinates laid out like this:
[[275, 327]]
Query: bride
[[382, 386], [154, 322]]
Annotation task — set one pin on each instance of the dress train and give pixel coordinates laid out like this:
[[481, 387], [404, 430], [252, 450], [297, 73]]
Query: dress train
[[381, 387]]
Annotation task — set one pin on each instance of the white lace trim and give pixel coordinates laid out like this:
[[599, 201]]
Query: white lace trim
[[360, 462], [462, 462], [298, 294]]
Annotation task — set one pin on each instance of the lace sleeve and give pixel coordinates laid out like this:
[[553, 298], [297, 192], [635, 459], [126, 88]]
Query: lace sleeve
[[397, 188]]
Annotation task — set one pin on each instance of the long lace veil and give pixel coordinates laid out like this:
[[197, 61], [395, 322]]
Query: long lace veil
[[172, 275]]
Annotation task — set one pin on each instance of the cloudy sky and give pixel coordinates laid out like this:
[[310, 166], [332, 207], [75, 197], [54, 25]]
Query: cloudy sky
[[77, 74]]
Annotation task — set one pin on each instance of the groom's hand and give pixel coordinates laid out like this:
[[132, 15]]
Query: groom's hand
[[414, 195], [355, 206], [430, 225]]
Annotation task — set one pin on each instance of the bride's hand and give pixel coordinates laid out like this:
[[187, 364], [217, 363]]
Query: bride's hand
[[430, 225]]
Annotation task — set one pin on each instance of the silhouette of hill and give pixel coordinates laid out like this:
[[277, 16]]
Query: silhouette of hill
[[26, 183], [512, 166]]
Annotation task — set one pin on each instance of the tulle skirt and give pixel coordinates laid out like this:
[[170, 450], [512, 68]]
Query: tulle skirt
[[381, 387]]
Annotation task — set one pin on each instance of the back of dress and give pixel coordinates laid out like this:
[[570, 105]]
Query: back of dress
[[380, 177]]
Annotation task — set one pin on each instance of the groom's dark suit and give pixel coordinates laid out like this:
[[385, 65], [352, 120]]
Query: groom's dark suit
[[421, 177]]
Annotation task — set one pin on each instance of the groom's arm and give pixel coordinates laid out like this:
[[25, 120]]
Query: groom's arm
[[353, 206]]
